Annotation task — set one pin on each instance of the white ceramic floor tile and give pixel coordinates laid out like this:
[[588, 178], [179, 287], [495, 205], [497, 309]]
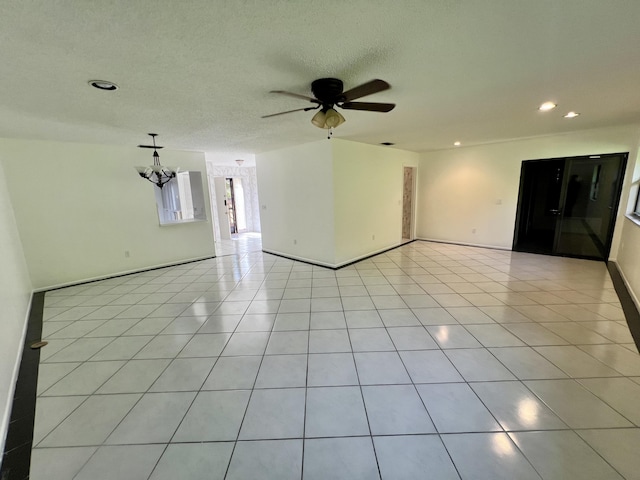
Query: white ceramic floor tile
[[58, 463], [578, 460], [85, 379], [363, 319], [478, 365], [184, 375], [576, 363], [575, 405], [233, 373], [246, 343], [396, 409], [279, 371], [411, 338], [154, 419], [288, 343], [515, 407], [135, 376], [489, 456], [266, 459], [454, 407], [196, 461], [371, 340], [213, 416], [50, 411], [274, 414], [411, 457], [291, 321], [92, 422], [525, 363], [340, 459], [616, 357], [378, 368], [620, 393], [205, 345], [430, 366], [335, 412], [618, 447], [452, 336], [331, 369], [329, 341], [399, 317], [134, 462]]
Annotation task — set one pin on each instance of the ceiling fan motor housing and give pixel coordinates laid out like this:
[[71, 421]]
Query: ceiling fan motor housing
[[328, 90]]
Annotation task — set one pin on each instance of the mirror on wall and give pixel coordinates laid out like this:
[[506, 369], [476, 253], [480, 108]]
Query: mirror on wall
[[181, 200]]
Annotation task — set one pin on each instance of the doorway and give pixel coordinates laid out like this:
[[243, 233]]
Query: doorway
[[567, 206]]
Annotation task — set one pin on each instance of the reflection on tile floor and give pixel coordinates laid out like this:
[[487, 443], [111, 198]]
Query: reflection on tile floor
[[461, 362]]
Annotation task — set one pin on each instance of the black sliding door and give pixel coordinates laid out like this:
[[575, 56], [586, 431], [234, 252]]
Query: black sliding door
[[567, 206]]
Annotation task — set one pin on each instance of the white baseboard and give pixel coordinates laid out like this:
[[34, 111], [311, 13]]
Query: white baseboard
[[299, 258]]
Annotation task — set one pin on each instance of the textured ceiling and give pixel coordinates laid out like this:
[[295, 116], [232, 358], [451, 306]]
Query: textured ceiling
[[198, 72]]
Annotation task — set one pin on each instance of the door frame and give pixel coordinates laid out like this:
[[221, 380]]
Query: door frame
[[414, 184], [624, 156]]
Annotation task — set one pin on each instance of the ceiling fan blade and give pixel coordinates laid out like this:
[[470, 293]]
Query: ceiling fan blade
[[369, 106], [291, 111], [369, 88], [295, 95]]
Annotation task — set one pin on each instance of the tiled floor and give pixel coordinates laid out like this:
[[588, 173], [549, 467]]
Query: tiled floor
[[431, 360]]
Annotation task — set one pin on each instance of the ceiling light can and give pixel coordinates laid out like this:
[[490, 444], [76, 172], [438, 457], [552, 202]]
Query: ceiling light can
[[571, 115], [103, 85], [546, 106]]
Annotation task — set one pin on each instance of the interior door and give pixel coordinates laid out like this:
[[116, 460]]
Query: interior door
[[590, 203], [567, 206], [539, 205]]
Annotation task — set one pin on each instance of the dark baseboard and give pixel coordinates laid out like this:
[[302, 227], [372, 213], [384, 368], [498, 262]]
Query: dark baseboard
[[16, 458], [629, 307], [341, 266]]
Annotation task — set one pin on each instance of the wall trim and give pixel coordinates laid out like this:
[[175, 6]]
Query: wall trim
[[466, 244], [628, 300], [16, 457], [336, 266], [6, 415], [122, 274]]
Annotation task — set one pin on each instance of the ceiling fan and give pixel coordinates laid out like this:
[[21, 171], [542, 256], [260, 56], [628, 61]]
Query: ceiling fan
[[328, 93]]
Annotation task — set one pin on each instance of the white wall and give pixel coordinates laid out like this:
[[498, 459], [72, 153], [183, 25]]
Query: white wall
[[628, 258], [79, 207], [15, 294], [367, 184], [295, 186], [459, 189]]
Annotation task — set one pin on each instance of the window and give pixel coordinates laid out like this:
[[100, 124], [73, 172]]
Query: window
[[181, 199]]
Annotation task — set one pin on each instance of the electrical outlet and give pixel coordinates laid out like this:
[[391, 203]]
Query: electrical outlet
[[473, 230], [295, 242], [127, 254], [264, 207], [499, 201], [373, 237]]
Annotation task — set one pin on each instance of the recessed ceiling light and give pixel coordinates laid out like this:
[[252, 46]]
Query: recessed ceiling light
[[457, 144], [571, 115], [546, 106], [103, 85], [387, 144]]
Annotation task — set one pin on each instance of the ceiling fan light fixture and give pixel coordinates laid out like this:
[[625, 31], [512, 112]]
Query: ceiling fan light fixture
[[319, 119], [333, 119]]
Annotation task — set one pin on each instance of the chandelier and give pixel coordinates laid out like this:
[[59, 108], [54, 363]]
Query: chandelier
[[156, 173]]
